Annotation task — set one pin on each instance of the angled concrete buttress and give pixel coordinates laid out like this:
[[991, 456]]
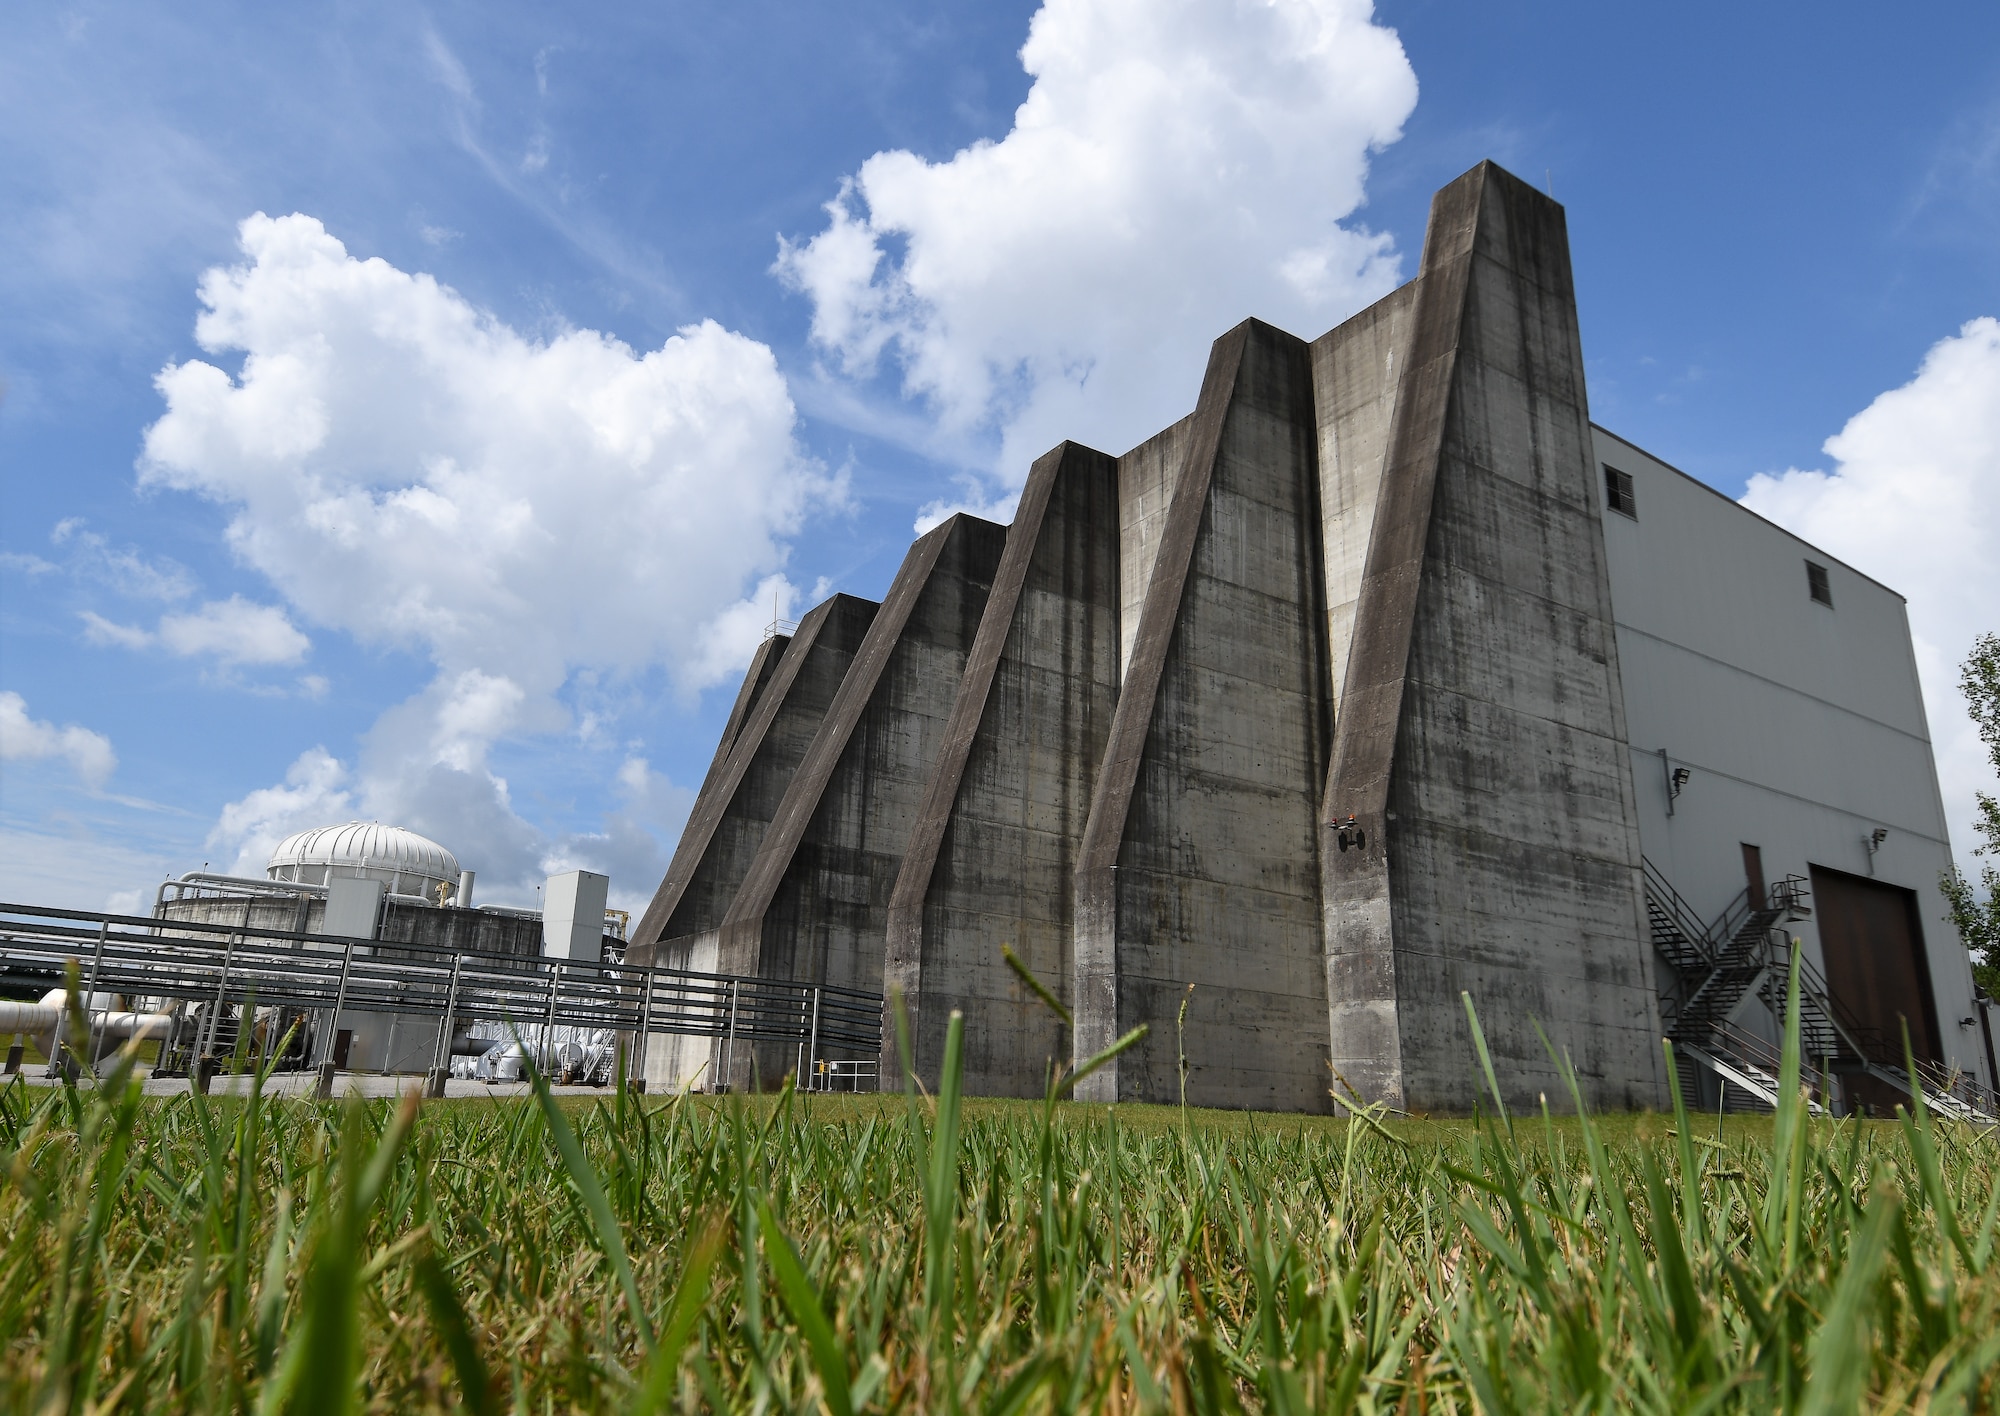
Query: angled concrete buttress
[[813, 907], [1199, 864], [990, 859], [728, 824], [763, 664], [1311, 701], [1480, 731]]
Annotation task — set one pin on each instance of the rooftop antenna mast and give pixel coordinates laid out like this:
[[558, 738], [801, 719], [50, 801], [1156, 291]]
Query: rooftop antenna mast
[[779, 624]]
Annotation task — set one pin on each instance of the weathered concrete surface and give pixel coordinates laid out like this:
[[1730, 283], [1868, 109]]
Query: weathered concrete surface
[[991, 858], [1480, 744], [814, 905], [722, 836], [646, 933], [1357, 373], [1365, 577], [1199, 864], [1146, 478]]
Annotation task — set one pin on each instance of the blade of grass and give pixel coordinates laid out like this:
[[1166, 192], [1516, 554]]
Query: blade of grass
[[610, 1237], [802, 1301]]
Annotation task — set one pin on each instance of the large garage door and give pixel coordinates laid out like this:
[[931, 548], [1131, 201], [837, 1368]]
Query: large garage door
[[1873, 944]]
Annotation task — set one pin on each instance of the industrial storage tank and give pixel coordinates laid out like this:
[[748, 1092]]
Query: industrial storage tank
[[405, 863]]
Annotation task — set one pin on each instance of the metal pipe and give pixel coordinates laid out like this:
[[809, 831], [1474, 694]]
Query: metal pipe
[[645, 1021], [812, 1047], [55, 1044], [442, 1057], [199, 976], [549, 1028], [339, 1003], [729, 1048], [29, 1017], [90, 995], [40, 1017]]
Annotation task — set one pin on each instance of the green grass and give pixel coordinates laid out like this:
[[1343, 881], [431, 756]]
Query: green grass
[[877, 1254]]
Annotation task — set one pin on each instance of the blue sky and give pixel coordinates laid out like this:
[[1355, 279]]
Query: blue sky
[[550, 368]]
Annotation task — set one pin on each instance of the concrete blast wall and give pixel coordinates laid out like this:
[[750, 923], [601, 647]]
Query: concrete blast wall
[[736, 806], [1199, 865], [814, 905], [1481, 725], [1364, 579], [990, 861]]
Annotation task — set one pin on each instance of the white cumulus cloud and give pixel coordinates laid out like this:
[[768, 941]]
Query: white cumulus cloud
[[413, 471], [1177, 166], [314, 793], [235, 631], [27, 739], [1913, 499], [410, 470]]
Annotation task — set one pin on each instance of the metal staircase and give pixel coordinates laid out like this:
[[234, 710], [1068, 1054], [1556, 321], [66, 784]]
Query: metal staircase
[[1751, 1065], [1718, 965], [1741, 960]]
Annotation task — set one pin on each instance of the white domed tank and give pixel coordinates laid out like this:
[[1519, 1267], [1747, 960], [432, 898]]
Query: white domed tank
[[405, 863]]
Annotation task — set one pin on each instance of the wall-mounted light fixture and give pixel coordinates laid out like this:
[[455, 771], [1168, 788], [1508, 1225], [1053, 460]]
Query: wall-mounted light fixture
[[1677, 778], [1873, 841]]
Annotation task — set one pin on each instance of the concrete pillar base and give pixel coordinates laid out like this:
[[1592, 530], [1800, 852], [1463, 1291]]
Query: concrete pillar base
[[327, 1072], [203, 1077], [434, 1081], [14, 1055]]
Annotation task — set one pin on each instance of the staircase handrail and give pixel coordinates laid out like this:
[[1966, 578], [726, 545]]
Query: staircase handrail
[[1680, 911], [1760, 1053], [1731, 923], [1868, 1043], [1873, 1045], [1961, 1086]]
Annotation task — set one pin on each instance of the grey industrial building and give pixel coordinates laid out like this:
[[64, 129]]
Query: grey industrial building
[[1381, 678]]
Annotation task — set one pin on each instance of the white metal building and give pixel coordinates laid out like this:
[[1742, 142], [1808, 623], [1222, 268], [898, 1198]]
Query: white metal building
[[1777, 730]]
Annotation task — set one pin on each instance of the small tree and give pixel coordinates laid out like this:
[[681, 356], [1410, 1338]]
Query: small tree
[[1979, 921]]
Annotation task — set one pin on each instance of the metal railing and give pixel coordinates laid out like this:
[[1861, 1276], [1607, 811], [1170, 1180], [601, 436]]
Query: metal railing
[[216, 967], [832, 1075], [1678, 932]]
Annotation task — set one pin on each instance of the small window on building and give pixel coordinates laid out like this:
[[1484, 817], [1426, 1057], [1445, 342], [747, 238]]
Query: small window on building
[[1817, 584], [1618, 493]]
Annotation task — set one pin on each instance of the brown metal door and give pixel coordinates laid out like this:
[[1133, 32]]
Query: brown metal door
[[1872, 941]]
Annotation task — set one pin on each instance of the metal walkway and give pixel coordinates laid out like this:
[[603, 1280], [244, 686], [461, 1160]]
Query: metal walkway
[[217, 967]]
